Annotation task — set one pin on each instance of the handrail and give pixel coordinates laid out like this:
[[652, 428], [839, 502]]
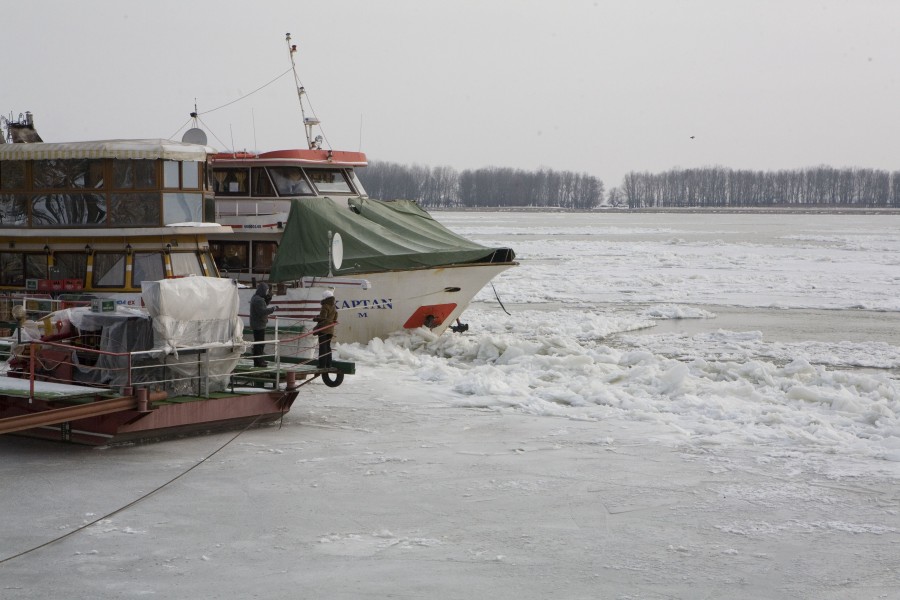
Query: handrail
[[44, 368], [38, 369]]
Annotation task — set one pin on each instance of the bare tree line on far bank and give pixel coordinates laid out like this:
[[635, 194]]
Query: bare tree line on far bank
[[444, 187], [714, 187], [720, 187]]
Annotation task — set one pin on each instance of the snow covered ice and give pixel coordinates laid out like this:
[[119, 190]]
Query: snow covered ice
[[677, 406]]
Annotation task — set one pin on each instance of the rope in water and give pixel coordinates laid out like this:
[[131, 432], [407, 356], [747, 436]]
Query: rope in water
[[134, 502], [496, 295]]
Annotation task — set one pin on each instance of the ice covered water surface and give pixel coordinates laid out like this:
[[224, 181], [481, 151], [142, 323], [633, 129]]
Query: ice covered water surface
[[591, 288]]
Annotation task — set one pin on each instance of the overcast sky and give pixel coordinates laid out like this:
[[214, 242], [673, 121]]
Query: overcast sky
[[592, 86]]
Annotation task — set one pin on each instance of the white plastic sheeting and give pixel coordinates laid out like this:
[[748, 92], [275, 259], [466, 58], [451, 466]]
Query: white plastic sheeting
[[196, 326], [188, 340]]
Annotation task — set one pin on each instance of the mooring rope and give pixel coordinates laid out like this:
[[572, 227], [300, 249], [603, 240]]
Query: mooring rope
[[134, 502], [496, 295]]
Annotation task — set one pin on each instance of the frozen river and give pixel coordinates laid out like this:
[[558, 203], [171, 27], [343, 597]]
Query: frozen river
[[670, 406]]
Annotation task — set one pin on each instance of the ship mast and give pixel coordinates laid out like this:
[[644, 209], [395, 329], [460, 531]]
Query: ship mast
[[308, 122]]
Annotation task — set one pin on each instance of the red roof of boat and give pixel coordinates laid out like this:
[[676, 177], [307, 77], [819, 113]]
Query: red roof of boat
[[319, 157]]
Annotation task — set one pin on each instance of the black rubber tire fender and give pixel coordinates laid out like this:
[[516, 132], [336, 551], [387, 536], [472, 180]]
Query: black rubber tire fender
[[338, 379]]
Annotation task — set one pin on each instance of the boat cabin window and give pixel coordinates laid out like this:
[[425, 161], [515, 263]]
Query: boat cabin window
[[357, 183], [140, 209], [190, 175], [182, 208], [181, 175], [330, 181], [69, 265], [231, 257], [134, 174], [68, 174], [290, 181], [262, 186], [67, 209], [231, 181], [185, 263], [36, 266], [109, 269], [147, 266], [170, 174], [12, 175], [13, 210], [263, 256], [16, 267], [103, 193], [12, 268]]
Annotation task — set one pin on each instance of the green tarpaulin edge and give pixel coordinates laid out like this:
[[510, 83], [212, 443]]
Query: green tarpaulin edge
[[376, 235]]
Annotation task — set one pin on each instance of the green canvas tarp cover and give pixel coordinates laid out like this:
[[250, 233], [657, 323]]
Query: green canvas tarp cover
[[377, 236]]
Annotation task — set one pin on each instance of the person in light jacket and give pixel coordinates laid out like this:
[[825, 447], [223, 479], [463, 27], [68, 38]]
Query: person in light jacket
[[259, 317], [325, 323]]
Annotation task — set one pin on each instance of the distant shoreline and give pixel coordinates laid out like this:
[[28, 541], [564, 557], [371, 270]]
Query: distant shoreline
[[694, 210]]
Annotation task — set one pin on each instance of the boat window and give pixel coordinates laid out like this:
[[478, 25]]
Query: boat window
[[12, 268], [62, 210], [329, 181], [147, 266], [231, 182], [134, 174], [357, 184], [231, 257], [68, 174], [209, 209], [263, 256], [170, 174], [69, 265], [261, 184], [12, 175], [35, 266], [134, 210], [109, 269], [290, 181], [190, 175], [185, 263], [13, 210], [182, 208]]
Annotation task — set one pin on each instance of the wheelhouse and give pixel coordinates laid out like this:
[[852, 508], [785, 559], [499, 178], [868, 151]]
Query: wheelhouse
[[286, 174], [253, 193]]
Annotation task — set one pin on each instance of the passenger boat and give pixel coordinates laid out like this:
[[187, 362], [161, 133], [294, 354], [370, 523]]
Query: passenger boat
[[124, 329], [96, 219], [302, 220]]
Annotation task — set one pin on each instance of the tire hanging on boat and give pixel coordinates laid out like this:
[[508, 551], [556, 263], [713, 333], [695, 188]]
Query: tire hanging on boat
[[338, 379]]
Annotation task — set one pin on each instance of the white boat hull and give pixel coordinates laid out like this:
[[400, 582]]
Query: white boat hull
[[394, 301]]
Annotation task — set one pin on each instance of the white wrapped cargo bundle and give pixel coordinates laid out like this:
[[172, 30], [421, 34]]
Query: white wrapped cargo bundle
[[199, 317]]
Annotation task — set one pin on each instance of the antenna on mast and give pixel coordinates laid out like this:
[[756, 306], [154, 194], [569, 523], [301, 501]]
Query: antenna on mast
[[194, 135], [308, 122]]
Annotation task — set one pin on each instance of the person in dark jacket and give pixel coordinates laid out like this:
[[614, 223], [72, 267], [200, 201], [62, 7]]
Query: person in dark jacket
[[325, 323], [259, 317]]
